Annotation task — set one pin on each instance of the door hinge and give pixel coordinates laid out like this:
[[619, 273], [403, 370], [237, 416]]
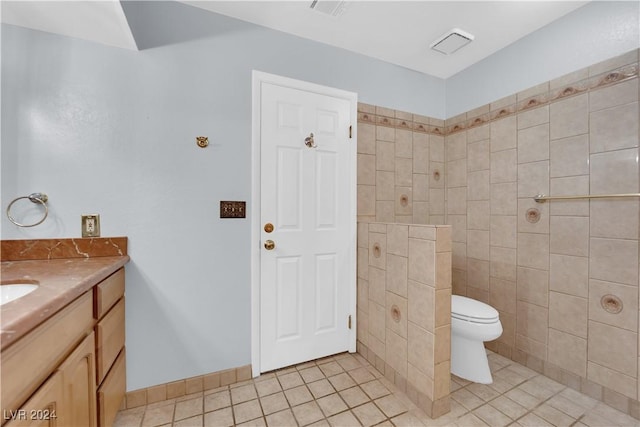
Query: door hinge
[[350, 131], [349, 321]]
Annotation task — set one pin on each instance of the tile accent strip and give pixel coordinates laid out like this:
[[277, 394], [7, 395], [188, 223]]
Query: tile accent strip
[[180, 388], [413, 122], [382, 116], [459, 123]]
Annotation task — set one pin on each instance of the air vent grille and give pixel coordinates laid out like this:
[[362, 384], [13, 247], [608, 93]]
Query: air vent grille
[[329, 7], [451, 41]]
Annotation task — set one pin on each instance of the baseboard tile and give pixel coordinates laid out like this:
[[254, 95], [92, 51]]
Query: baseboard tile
[[185, 387]]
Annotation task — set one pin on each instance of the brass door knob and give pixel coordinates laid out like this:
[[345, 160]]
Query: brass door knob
[[269, 245], [309, 142], [268, 227]]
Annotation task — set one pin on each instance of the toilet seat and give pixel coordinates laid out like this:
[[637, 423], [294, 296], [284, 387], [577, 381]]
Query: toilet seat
[[470, 310]]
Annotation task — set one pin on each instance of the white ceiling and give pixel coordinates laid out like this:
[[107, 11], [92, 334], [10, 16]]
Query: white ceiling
[[99, 21], [398, 32]]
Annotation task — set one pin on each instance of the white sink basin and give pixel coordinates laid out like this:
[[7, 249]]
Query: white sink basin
[[12, 291]]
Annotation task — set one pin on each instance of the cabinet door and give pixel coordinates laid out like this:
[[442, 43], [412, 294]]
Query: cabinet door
[[45, 408], [27, 363], [80, 384]]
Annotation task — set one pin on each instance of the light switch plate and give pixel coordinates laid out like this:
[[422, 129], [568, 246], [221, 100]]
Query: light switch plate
[[230, 209], [91, 225]]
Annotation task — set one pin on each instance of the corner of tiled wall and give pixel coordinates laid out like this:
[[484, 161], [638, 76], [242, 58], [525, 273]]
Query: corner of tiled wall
[[563, 274], [400, 167], [404, 306], [548, 267]]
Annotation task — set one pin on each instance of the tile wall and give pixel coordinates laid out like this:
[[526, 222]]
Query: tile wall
[[400, 167], [563, 274], [404, 308]]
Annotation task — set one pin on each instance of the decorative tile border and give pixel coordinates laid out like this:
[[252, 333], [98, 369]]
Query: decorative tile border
[[22, 250], [459, 123], [180, 388], [399, 120], [386, 117]]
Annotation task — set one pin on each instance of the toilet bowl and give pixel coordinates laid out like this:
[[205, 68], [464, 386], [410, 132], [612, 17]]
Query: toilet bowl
[[472, 323]]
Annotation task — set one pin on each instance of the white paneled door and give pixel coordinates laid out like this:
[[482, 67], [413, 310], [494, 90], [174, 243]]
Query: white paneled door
[[307, 274]]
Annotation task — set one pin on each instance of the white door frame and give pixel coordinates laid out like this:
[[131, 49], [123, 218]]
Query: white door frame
[[259, 77]]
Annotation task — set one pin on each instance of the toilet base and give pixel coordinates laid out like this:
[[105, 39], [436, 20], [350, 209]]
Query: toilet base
[[469, 360]]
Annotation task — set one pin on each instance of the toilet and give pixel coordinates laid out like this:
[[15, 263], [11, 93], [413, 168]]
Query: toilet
[[472, 323]]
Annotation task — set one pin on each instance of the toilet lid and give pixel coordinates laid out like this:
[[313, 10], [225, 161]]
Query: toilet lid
[[468, 309]]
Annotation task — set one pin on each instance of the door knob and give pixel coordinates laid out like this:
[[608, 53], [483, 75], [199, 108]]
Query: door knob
[[309, 142], [268, 227], [269, 245]]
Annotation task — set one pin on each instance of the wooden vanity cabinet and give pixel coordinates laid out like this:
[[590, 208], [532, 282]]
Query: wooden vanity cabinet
[[80, 385], [55, 371], [44, 408], [33, 358]]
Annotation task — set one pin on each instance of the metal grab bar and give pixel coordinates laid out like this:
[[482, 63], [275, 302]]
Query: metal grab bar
[[541, 198]]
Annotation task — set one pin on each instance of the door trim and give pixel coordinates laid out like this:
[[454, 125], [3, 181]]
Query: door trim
[[259, 77]]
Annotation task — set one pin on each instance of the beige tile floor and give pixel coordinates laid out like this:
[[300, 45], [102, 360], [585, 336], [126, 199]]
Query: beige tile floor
[[345, 390]]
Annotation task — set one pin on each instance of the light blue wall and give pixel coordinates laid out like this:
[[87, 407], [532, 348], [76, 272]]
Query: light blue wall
[[224, 43], [110, 131], [592, 33]]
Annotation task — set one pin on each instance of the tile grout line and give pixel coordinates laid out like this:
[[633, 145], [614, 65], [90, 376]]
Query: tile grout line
[[497, 367], [336, 392], [470, 411], [529, 411], [579, 420]]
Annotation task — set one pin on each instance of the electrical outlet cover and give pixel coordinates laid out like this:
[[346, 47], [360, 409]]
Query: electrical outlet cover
[[91, 225]]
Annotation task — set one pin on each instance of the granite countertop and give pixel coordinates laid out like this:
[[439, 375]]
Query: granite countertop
[[61, 281]]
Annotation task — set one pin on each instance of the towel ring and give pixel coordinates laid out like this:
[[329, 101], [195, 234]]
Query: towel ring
[[35, 198]]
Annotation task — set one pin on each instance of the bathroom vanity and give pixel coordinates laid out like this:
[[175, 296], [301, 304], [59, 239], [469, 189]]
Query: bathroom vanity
[[62, 345]]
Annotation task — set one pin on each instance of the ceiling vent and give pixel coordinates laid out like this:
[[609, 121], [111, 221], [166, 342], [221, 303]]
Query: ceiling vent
[[451, 41], [333, 8]]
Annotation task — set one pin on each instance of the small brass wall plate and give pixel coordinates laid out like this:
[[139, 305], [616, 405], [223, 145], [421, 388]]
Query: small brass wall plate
[[202, 141], [91, 225], [230, 209]]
